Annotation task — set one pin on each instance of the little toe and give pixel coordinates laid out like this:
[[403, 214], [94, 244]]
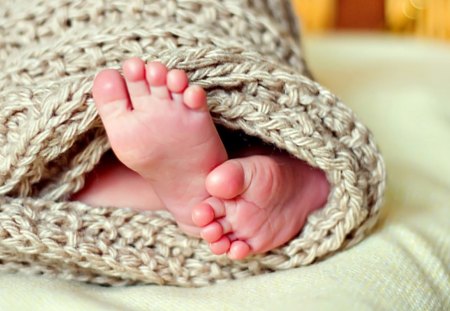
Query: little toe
[[227, 181], [221, 246], [157, 78], [110, 94], [177, 82], [134, 72], [195, 98], [238, 250]]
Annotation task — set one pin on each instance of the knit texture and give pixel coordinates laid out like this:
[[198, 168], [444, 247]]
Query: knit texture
[[245, 54]]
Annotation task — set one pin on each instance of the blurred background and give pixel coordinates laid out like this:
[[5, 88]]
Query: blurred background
[[426, 18], [389, 60]]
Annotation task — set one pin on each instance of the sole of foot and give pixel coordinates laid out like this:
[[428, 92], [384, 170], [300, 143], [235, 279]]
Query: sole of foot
[[258, 203]]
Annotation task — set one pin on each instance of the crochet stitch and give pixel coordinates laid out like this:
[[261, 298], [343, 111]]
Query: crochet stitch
[[244, 53]]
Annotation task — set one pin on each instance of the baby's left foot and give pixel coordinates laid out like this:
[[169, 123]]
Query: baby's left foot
[[258, 203]]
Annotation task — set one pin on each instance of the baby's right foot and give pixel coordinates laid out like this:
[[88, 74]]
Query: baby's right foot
[[161, 128], [258, 203]]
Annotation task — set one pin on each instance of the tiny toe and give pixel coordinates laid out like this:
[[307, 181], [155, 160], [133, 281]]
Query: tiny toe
[[220, 247], [238, 250], [212, 232], [217, 206], [225, 224], [202, 214], [110, 94], [226, 181], [177, 82], [134, 72], [195, 98], [157, 78]]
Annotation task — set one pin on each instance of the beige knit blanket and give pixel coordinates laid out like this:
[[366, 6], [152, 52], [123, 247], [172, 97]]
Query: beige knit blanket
[[245, 53]]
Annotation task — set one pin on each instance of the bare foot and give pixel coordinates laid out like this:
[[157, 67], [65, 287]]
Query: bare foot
[[160, 128], [258, 203]]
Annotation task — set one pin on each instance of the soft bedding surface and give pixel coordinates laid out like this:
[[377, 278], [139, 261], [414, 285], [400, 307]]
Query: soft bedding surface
[[401, 90]]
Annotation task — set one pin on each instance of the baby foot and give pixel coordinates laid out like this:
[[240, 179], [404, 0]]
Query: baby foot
[[160, 127], [258, 203]]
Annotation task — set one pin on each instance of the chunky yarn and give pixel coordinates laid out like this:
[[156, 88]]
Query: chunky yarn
[[246, 55]]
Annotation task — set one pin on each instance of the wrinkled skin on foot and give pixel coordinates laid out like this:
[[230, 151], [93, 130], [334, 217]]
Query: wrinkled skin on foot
[[258, 203]]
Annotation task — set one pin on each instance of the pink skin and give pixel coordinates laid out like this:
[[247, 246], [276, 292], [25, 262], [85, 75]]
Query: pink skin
[[242, 206], [160, 127], [257, 203]]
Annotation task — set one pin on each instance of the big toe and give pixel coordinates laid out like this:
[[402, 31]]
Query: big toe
[[227, 180], [256, 178]]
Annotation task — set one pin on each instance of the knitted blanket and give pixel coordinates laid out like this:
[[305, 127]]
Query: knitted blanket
[[246, 55]]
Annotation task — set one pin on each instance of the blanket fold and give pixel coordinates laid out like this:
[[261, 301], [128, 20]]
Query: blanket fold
[[245, 54]]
